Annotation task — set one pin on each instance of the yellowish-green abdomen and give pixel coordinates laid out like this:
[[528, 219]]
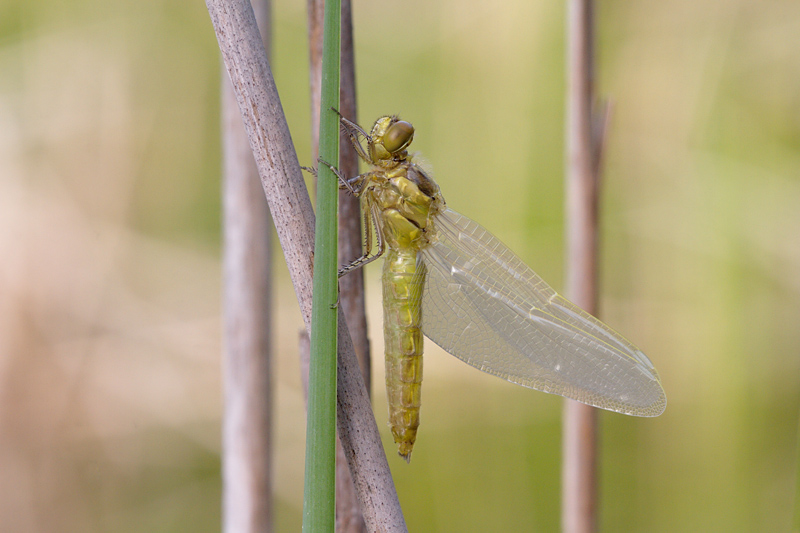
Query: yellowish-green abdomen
[[403, 281]]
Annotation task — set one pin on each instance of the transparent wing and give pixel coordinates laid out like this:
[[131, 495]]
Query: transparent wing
[[482, 304]]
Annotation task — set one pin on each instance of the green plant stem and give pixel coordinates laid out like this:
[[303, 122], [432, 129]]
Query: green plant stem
[[320, 474]]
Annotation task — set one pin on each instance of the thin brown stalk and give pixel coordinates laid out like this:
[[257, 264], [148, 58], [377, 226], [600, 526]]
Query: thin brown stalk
[[351, 287], [247, 450], [579, 474], [243, 54]]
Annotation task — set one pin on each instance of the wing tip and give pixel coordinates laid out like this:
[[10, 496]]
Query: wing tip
[[649, 410]]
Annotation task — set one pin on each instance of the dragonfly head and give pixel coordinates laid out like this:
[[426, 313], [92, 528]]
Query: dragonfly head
[[389, 139]]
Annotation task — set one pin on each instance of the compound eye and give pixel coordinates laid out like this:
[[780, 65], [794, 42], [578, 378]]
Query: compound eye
[[398, 136]]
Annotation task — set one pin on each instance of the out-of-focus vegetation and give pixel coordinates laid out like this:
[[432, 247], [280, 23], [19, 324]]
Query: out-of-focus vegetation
[[109, 279]]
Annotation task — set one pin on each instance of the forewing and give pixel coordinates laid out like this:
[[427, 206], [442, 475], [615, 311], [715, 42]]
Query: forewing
[[482, 304]]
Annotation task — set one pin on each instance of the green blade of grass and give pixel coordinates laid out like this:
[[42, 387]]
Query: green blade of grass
[[320, 472]]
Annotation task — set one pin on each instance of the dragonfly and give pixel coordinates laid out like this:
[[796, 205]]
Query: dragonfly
[[449, 279]]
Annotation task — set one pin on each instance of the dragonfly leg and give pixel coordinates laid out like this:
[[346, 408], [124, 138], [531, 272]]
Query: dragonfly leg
[[355, 184], [355, 133], [344, 183], [368, 256]]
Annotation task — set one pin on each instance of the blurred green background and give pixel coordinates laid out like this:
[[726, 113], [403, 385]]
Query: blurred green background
[[109, 279]]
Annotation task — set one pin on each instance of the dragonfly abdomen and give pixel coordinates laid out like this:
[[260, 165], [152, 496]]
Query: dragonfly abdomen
[[403, 280]]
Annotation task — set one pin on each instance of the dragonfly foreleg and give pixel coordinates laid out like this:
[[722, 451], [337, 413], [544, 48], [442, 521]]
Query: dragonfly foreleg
[[355, 133]]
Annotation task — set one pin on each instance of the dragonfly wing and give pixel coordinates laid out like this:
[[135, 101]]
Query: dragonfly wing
[[482, 304]]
